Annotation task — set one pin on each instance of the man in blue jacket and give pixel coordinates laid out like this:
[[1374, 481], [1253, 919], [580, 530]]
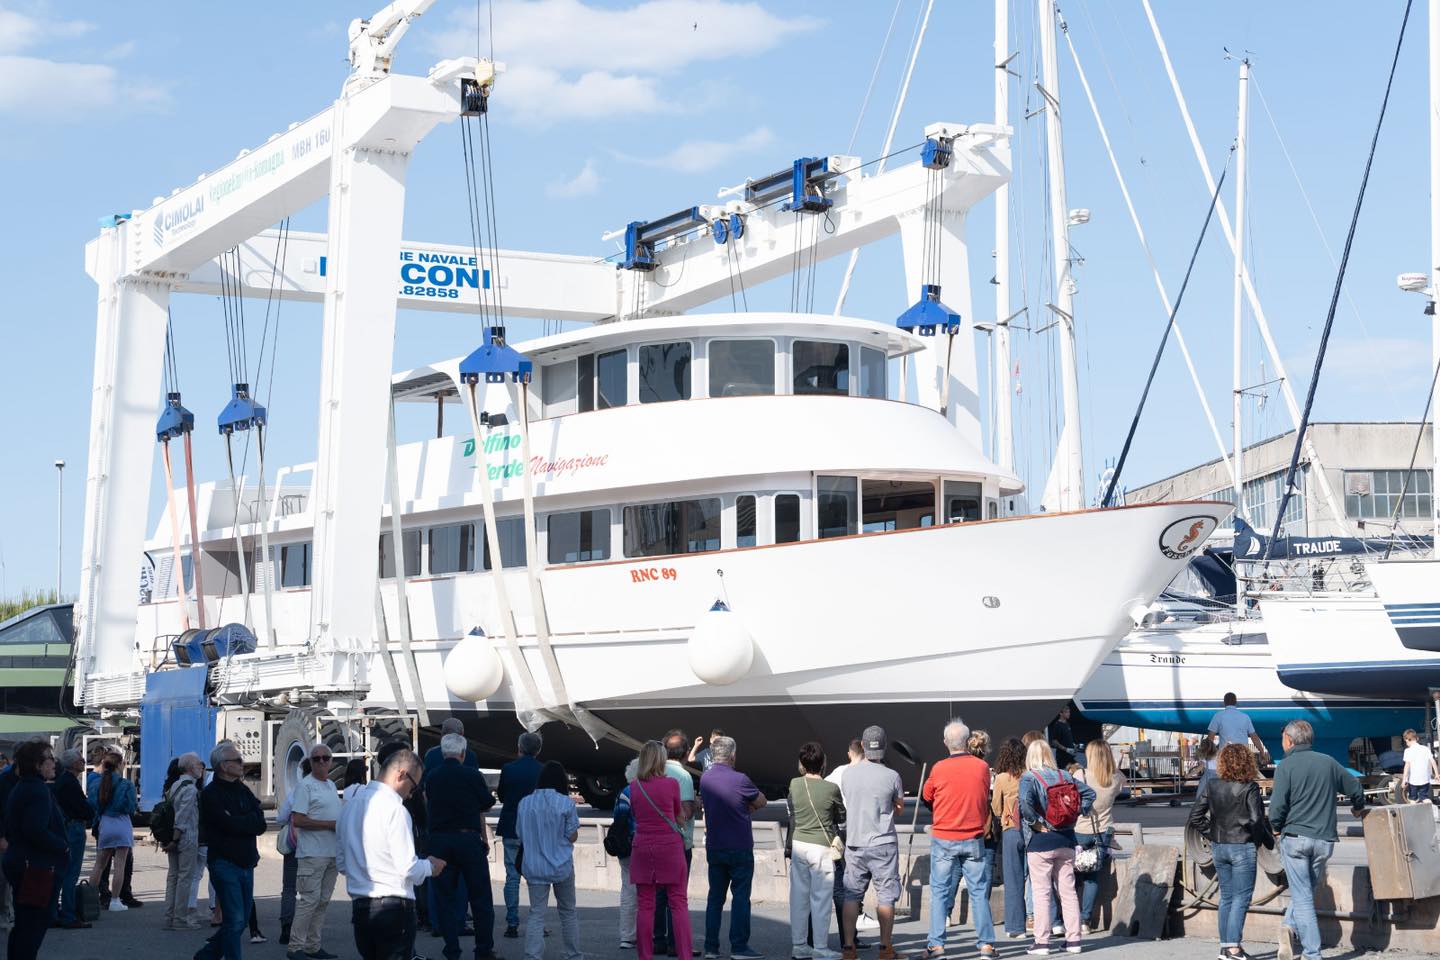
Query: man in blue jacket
[[1302, 811], [517, 781]]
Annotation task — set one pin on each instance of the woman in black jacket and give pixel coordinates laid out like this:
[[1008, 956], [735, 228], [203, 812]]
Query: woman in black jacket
[[35, 833], [1228, 810]]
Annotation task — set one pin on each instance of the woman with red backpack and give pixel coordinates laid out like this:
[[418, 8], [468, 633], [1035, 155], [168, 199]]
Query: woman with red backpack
[[1051, 803]]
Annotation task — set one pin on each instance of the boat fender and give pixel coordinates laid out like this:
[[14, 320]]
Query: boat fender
[[720, 648], [473, 670]]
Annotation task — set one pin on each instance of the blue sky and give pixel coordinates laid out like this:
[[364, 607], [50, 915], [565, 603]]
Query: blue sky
[[616, 110]]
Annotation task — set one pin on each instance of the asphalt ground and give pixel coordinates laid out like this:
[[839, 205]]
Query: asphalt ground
[[137, 934]]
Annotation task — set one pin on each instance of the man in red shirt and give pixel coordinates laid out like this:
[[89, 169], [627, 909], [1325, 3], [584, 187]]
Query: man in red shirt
[[958, 795]]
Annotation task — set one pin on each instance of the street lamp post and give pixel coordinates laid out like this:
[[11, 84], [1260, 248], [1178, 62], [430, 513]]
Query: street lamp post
[[59, 525]]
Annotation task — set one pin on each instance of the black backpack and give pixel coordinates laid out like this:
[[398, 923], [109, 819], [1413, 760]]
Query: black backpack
[[619, 836], [162, 822]]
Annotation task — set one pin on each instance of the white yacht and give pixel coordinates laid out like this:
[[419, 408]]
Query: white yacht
[[867, 550]]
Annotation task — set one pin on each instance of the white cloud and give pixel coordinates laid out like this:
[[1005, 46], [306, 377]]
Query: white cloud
[[21, 32], [539, 96], [50, 88], [583, 184], [60, 91], [568, 59], [698, 156]]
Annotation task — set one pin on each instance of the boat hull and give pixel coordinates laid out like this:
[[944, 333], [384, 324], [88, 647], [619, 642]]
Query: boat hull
[[1410, 593], [1176, 679], [997, 622], [1345, 644]]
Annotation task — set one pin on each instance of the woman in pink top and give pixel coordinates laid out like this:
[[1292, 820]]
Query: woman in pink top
[[657, 860]]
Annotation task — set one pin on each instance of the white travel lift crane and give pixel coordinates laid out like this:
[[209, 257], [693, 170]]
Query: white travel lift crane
[[356, 152]]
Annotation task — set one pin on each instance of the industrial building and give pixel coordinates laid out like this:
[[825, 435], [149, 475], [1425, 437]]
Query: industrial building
[[1366, 463]]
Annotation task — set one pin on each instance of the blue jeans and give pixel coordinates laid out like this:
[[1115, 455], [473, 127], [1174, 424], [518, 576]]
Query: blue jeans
[[234, 889], [732, 871], [75, 836], [512, 882], [1089, 883], [1235, 869], [1012, 850], [1305, 859], [949, 859]]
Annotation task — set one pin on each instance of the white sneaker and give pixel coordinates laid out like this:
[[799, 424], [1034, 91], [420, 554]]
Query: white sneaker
[[1057, 931], [1086, 929], [801, 952], [116, 906], [866, 922], [1073, 948], [819, 954]]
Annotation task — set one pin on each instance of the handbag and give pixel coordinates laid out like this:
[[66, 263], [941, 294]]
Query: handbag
[[285, 840], [1087, 858], [37, 886], [835, 844]]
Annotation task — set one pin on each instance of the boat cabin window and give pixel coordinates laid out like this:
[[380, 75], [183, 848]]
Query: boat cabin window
[[579, 536], [787, 517], [682, 526], [745, 517], [837, 502], [898, 505], [821, 367], [742, 368], [872, 373], [511, 533], [612, 379], [962, 501], [411, 540], [664, 372], [295, 565], [452, 548], [558, 387]]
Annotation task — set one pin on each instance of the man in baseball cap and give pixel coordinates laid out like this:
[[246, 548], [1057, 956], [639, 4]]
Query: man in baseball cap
[[873, 798]]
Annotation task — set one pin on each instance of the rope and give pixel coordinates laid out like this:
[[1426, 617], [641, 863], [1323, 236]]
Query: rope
[[874, 75], [1164, 338], [1300, 429], [1324, 241], [1150, 257]]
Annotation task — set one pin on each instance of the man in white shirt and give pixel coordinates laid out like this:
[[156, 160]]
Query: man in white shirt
[[314, 810], [1420, 769], [1233, 725], [375, 850]]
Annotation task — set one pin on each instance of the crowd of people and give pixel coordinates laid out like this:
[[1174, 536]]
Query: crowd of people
[[409, 836]]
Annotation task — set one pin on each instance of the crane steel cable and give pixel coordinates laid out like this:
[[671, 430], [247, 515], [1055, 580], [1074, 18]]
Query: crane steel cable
[[1288, 490]]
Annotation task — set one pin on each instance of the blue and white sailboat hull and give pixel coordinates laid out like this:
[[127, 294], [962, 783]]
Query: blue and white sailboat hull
[[1174, 677]]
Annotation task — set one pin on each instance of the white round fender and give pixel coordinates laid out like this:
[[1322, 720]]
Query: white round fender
[[720, 648], [473, 670]]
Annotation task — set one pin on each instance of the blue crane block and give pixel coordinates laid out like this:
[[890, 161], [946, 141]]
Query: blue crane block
[[495, 362], [175, 421], [937, 153], [241, 413], [929, 315]]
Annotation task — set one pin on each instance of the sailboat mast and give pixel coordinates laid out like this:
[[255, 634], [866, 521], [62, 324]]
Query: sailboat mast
[[1002, 437], [1237, 370], [1066, 487], [1435, 262]]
